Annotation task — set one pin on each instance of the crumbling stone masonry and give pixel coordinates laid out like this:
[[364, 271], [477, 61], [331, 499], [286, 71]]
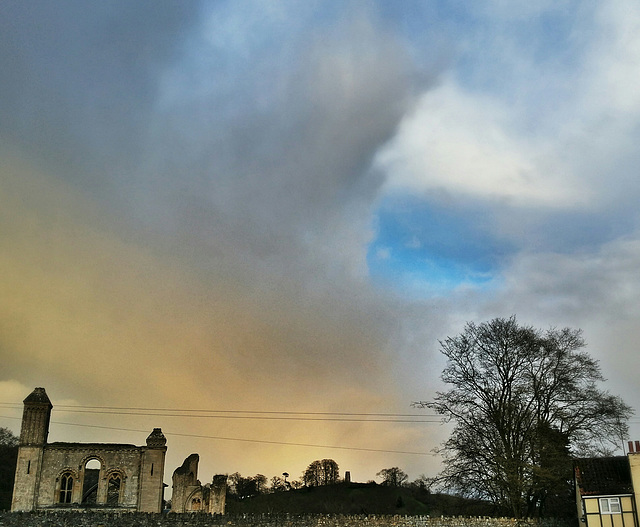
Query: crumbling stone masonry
[[73, 475], [190, 496]]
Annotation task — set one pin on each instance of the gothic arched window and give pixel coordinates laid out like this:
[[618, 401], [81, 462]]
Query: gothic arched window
[[66, 488], [113, 489]]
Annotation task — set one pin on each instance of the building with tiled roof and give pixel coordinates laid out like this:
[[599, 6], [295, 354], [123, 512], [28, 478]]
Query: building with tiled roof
[[606, 489]]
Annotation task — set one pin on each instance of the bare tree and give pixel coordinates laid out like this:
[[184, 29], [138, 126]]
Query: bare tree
[[321, 472], [522, 401], [393, 477]]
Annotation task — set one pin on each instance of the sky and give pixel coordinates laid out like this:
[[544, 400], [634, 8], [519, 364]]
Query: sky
[[266, 214]]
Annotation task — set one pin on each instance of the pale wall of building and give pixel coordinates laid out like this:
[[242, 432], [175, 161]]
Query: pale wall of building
[[634, 465]]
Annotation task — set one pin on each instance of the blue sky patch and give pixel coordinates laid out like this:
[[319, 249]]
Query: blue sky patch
[[434, 247]]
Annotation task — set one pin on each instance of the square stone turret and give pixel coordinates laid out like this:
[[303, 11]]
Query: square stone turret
[[36, 415]]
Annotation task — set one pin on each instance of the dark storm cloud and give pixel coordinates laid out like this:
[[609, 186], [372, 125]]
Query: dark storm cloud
[[279, 198], [79, 80], [273, 162], [202, 208], [285, 188]]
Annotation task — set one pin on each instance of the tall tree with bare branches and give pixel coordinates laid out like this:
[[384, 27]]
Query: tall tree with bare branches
[[523, 401]]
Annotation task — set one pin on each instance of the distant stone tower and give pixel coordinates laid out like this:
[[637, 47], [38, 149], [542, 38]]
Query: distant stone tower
[[33, 437]]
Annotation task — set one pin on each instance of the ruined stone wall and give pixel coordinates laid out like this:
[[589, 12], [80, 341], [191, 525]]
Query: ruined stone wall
[[185, 483], [189, 495], [57, 475], [72, 457], [95, 519]]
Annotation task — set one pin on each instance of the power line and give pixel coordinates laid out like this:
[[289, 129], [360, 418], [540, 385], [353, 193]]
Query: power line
[[257, 417], [288, 412], [247, 414], [244, 440]]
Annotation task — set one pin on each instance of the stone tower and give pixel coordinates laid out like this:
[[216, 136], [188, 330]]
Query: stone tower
[[33, 437], [152, 472]]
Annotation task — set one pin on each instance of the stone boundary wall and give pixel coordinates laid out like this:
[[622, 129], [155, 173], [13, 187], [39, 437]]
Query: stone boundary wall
[[134, 519]]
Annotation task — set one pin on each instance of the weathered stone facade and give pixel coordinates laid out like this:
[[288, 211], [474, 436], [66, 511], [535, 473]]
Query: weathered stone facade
[[189, 495], [61, 475]]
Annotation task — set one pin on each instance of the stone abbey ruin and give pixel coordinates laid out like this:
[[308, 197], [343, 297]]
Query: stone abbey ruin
[[102, 476]]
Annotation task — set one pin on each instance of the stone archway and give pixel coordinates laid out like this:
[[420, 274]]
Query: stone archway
[[91, 480], [194, 502]]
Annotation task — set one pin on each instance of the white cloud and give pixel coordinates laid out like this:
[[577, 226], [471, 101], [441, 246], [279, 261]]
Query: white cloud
[[468, 143], [612, 69], [531, 131]]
